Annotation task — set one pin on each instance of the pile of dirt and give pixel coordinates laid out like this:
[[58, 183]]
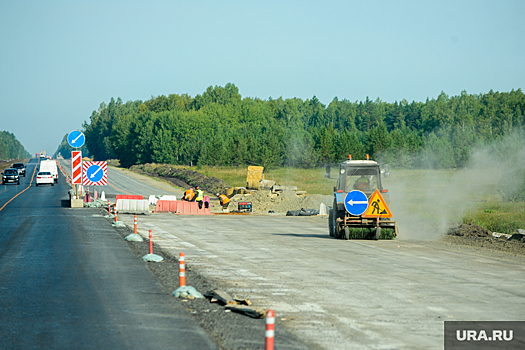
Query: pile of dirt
[[469, 230], [478, 237], [180, 177], [265, 201]]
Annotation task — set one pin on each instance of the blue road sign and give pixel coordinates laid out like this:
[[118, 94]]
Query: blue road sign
[[76, 139], [94, 173], [356, 203]]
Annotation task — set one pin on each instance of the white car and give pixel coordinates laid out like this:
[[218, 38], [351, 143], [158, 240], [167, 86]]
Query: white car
[[44, 177]]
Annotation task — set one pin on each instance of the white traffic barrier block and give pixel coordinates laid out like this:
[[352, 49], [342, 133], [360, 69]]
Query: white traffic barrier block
[[168, 198], [152, 199], [322, 209], [133, 206]]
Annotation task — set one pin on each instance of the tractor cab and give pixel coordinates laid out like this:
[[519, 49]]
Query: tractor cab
[[361, 175]]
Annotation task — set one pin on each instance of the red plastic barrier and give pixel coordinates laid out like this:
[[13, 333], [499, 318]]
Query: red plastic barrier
[[166, 206], [127, 196], [181, 208]]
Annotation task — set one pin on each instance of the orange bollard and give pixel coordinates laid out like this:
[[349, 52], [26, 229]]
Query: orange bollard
[[270, 329], [116, 218], [182, 270], [135, 224], [150, 242]]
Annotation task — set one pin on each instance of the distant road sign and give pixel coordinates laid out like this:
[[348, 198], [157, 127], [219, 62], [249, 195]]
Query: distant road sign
[[95, 174], [76, 139], [356, 202]]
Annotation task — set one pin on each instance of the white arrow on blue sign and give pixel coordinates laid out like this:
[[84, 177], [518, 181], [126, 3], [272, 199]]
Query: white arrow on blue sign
[[76, 139], [94, 173], [356, 202]]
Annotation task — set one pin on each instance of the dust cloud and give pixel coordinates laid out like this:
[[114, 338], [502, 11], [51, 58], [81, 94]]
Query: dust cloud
[[426, 203]]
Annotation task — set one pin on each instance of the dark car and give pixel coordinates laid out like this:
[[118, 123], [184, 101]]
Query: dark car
[[21, 168], [10, 175]]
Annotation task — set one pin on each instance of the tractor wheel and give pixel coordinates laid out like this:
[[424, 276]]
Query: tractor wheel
[[331, 223], [346, 233], [378, 233]]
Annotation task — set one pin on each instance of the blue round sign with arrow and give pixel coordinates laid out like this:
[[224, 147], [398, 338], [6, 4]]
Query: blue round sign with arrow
[[76, 139], [356, 202], [94, 173]]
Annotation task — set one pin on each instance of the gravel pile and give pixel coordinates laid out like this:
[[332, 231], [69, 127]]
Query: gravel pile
[[265, 201]]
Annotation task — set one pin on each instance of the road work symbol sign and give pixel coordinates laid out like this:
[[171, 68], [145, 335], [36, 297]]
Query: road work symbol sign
[[95, 173], [356, 202], [377, 207]]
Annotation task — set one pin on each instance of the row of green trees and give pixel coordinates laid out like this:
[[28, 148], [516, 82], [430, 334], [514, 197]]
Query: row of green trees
[[11, 148], [220, 127]]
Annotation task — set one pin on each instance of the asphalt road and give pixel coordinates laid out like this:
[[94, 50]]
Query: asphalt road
[[68, 280]]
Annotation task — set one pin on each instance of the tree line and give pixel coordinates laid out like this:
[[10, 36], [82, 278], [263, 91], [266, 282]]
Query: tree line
[[219, 127], [11, 148]]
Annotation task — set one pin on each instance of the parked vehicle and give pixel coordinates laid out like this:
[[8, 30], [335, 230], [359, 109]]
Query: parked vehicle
[[44, 177], [21, 168], [10, 176], [51, 166]]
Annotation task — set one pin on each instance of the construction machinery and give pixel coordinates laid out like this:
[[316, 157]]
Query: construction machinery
[[254, 181], [360, 209]]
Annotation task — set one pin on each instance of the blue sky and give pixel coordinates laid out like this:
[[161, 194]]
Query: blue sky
[[60, 59]]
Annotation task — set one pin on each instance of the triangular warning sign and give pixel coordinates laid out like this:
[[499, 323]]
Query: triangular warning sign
[[377, 207]]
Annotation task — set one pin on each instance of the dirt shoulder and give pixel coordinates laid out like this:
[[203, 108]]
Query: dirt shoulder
[[477, 237], [180, 177], [487, 244]]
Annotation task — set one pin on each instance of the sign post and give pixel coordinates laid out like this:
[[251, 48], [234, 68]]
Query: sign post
[[76, 171], [76, 139]]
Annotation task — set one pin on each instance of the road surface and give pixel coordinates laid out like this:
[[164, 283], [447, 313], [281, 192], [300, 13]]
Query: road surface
[[68, 280]]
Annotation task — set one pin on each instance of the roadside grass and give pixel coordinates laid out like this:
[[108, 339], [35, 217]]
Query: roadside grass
[[499, 217]]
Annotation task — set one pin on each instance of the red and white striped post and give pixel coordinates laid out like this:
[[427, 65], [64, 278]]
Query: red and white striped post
[[135, 226], [270, 329], [116, 218], [182, 270], [150, 242], [109, 207]]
